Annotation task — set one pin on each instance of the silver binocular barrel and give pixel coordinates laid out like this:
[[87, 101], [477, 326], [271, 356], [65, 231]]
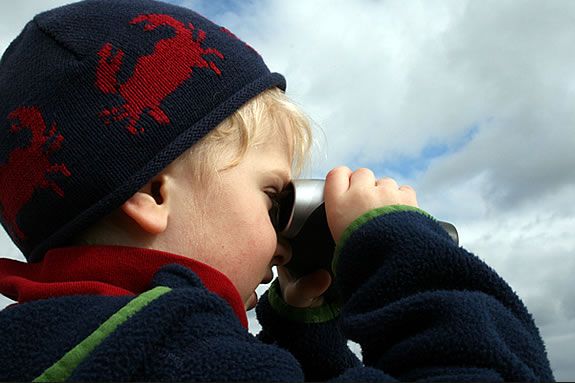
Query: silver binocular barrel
[[301, 219]]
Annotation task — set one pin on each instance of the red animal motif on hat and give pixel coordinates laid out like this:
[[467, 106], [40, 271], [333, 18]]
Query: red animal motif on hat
[[156, 75], [26, 168]]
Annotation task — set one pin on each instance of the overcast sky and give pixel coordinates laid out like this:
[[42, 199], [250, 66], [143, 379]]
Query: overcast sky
[[470, 102]]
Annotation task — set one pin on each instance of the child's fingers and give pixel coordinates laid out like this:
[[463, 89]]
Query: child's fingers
[[387, 182], [409, 195], [349, 194], [362, 178], [336, 183], [306, 291], [336, 186], [284, 277], [314, 285]]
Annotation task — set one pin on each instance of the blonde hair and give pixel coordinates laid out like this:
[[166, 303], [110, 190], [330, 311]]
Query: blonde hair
[[268, 116]]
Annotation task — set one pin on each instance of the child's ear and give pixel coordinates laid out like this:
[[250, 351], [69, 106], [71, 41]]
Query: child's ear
[[148, 208]]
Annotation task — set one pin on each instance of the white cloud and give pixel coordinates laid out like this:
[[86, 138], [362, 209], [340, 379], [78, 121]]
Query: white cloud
[[560, 337], [388, 79], [14, 16]]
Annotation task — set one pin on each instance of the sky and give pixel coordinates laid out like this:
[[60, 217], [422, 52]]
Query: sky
[[469, 101]]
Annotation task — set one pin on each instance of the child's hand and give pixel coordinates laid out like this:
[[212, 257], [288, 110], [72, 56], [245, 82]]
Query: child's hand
[[304, 292], [349, 194]]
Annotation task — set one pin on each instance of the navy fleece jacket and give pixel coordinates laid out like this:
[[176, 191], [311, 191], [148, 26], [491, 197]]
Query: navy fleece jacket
[[419, 306]]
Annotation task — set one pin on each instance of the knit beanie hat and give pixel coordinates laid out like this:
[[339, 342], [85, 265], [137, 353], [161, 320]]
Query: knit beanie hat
[[99, 96]]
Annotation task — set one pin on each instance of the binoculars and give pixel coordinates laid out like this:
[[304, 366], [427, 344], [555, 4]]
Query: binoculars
[[298, 215]]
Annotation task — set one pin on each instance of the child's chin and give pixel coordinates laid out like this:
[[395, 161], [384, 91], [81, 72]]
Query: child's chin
[[252, 301]]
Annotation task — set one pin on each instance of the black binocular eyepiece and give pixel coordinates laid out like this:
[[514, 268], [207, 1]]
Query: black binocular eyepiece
[[298, 215]]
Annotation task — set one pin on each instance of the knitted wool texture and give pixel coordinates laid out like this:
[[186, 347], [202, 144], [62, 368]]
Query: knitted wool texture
[[101, 95]]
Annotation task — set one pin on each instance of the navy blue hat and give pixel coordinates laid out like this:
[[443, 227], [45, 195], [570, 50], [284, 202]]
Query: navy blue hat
[[99, 96]]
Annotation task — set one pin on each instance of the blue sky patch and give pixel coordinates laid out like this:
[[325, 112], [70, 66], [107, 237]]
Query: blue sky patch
[[409, 166]]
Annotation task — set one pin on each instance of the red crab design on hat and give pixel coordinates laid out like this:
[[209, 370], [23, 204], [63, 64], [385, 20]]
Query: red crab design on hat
[[26, 168], [156, 75]]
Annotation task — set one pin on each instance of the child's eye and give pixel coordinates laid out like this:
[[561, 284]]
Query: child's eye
[[272, 194], [273, 197], [277, 209], [281, 205], [274, 210]]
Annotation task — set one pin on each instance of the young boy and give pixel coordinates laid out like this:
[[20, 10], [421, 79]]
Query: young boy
[[141, 149]]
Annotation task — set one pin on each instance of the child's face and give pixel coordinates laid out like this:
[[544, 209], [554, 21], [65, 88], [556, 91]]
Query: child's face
[[226, 224]]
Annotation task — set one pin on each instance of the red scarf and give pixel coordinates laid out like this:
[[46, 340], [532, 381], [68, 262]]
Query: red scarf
[[104, 270]]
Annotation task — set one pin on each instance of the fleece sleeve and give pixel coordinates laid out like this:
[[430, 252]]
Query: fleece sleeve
[[312, 336], [423, 308]]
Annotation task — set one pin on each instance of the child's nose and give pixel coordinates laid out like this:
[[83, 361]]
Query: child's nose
[[282, 254]]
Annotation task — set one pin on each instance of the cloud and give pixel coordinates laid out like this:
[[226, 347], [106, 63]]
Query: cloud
[[13, 17], [560, 338], [423, 73], [469, 101]]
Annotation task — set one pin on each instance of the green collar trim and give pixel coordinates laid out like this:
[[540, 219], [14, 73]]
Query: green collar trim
[[366, 217], [63, 368], [321, 314]]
